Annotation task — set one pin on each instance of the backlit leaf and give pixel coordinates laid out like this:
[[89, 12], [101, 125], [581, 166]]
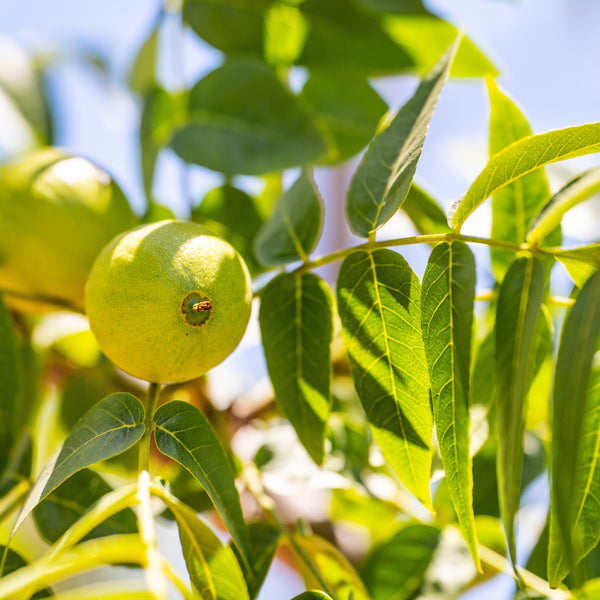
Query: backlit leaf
[[108, 429], [574, 446], [185, 434], [519, 303], [425, 37], [242, 120], [447, 315], [142, 76], [581, 263], [294, 228], [296, 326], [264, 541], [15, 561], [515, 205], [425, 213], [348, 109], [574, 192], [395, 569], [522, 157], [379, 305], [312, 595], [385, 172], [212, 566]]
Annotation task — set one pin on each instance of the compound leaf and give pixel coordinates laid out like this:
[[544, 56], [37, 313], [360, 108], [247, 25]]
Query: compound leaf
[[296, 325], [519, 304], [184, 434], [384, 175], [379, 305], [522, 157], [448, 295]]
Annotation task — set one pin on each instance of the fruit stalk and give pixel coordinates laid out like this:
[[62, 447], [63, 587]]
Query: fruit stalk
[[151, 400]]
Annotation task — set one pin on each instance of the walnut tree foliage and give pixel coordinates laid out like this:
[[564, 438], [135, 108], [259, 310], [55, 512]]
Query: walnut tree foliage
[[422, 405]]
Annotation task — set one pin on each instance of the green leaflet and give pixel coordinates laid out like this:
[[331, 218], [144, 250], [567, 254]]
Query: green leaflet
[[243, 120], [580, 262], [574, 449], [425, 38], [107, 429], [333, 566], [574, 192], [347, 108], [233, 216], [296, 327], [519, 303], [9, 385], [425, 213], [142, 76], [383, 177], [184, 434], [395, 569], [264, 541], [448, 294], [584, 506], [71, 500], [515, 205], [379, 305], [294, 228], [522, 157], [212, 566]]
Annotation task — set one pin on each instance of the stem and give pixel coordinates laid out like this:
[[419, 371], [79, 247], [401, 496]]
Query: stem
[[144, 453], [532, 581], [176, 581], [155, 576]]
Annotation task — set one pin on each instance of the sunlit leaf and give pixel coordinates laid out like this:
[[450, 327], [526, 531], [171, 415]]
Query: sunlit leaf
[[108, 429], [233, 216], [425, 38], [334, 568], [243, 120], [379, 305], [447, 315], [425, 213], [285, 34], [519, 303], [212, 566], [9, 385], [348, 109], [385, 173], [264, 541], [395, 569], [515, 205], [71, 500], [574, 192], [185, 434], [294, 228], [574, 447], [522, 157], [581, 263], [312, 595], [296, 327]]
